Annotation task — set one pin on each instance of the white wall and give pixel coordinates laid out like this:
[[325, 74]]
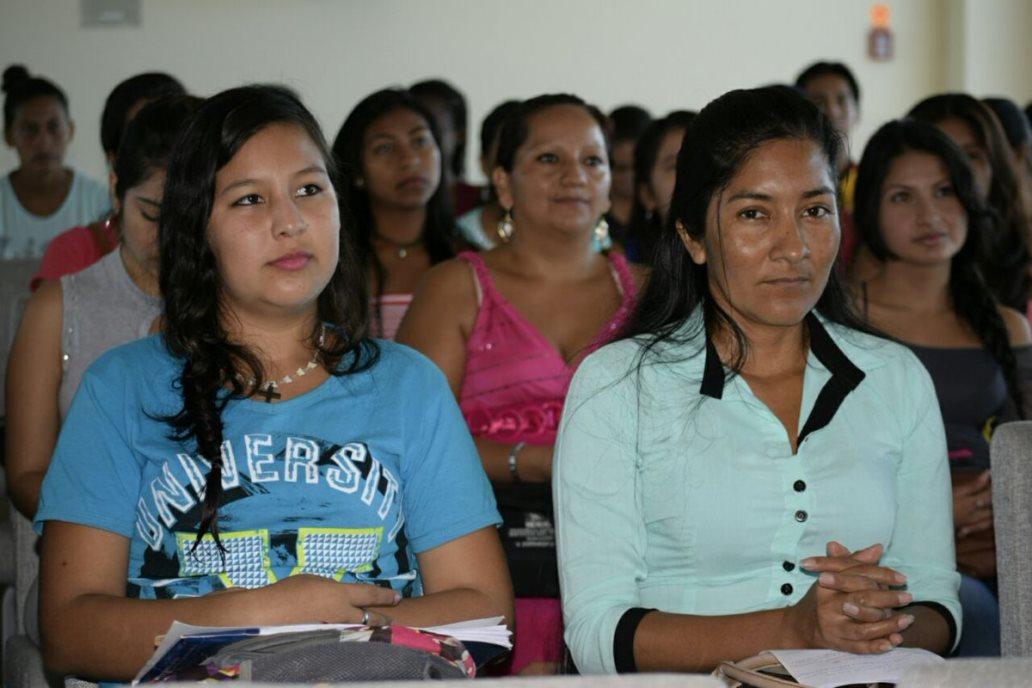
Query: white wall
[[664, 54], [992, 48]]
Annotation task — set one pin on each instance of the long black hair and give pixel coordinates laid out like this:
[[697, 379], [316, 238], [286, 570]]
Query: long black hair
[[646, 226], [972, 299], [214, 368], [439, 227], [716, 145], [489, 131], [455, 103], [19, 88], [147, 143], [1009, 256], [122, 99]]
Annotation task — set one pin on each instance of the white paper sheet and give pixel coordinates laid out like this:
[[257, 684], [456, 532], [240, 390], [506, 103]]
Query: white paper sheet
[[829, 668]]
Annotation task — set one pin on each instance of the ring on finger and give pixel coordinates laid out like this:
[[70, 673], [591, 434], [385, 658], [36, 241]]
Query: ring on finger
[[365, 617]]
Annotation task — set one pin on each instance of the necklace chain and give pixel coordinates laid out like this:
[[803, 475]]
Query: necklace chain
[[400, 249], [270, 387]]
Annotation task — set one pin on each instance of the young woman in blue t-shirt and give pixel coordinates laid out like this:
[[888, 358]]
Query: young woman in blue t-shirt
[[262, 461]]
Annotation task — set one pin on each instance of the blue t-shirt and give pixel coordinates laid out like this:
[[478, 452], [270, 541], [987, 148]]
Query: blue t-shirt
[[347, 481]]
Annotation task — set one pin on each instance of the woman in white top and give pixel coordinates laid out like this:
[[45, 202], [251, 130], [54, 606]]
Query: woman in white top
[[42, 197]]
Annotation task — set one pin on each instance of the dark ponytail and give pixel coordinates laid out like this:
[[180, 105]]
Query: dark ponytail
[[214, 368]]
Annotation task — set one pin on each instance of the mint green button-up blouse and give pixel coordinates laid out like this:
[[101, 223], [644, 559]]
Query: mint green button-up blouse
[[676, 489]]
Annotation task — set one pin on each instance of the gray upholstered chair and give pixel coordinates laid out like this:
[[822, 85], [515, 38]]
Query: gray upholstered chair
[[1011, 455]]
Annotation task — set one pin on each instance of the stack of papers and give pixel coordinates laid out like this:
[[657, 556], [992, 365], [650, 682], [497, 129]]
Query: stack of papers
[[830, 668]]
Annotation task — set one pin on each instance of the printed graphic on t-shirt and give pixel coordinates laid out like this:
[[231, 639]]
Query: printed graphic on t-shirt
[[310, 507]]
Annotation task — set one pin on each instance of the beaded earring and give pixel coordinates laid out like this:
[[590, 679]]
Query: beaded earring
[[602, 239], [506, 227]]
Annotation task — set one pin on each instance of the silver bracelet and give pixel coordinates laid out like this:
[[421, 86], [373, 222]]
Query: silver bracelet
[[513, 453]]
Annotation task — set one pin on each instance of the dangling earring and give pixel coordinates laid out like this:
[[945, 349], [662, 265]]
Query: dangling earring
[[602, 240], [506, 227]]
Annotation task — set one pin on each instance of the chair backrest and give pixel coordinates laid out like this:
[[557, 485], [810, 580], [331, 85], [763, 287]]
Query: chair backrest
[[963, 673], [1011, 456]]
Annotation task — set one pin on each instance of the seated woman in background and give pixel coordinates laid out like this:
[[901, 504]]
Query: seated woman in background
[[69, 323], [627, 123], [200, 462], [41, 198], [509, 327], [478, 227], [79, 247], [655, 168], [918, 212], [746, 426], [448, 107], [975, 130], [833, 88], [1018, 131], [388, 152]]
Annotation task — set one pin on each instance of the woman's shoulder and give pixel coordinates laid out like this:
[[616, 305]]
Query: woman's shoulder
[[868, 350], [638, 361], [142, 362], [451, 276], [402, 368], [891, 370], [1018, 331]]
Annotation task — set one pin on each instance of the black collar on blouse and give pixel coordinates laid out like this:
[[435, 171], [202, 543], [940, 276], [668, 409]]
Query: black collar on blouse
[[845, 376]]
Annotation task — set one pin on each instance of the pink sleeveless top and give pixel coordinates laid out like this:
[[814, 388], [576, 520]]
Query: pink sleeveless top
[[516, 382], [392, 309]]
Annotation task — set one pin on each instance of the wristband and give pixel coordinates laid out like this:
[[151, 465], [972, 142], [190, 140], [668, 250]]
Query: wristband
[[513, 453]]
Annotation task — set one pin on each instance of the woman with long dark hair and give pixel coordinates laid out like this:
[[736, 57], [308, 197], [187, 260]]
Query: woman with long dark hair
[[764, 473], [390, 159], [918, 212], [655, 170], [262, 447], [509, 327], [976, 131]]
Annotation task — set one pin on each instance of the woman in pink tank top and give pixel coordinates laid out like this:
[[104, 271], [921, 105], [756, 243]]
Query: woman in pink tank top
[[388, 151], [510, 326]]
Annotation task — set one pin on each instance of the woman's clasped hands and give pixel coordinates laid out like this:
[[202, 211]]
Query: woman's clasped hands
[[854, 604]]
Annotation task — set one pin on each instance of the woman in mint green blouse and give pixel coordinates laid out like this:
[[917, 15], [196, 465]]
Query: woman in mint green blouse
[[750, 468]]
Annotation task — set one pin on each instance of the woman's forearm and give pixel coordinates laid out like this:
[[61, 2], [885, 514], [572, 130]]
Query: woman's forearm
[[688, 643], [681, 642], [108, 637], [448, 606], [929, 631], [533, 462]]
